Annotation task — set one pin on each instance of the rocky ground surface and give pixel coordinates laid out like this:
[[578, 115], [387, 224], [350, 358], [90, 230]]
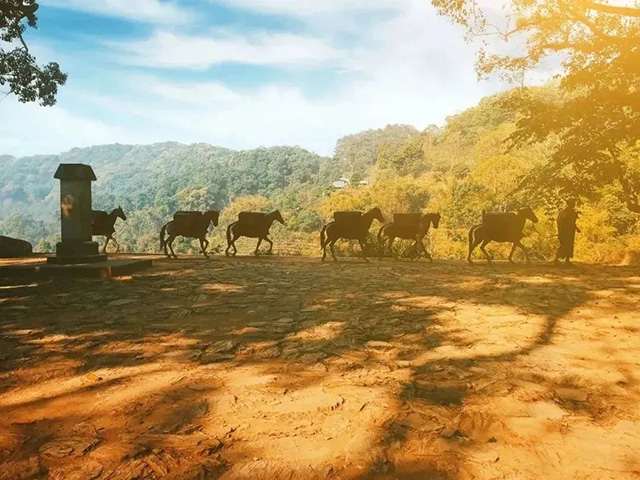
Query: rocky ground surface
[[274, 368]]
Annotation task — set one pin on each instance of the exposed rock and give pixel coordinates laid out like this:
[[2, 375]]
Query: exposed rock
[[68, 447], [14, 248], [572, 394]]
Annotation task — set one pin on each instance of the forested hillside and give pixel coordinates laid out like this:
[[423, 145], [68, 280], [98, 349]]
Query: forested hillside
[[458, 169]]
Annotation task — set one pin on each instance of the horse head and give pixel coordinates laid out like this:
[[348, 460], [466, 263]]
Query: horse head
[[435, 219], [212, 216], [120, 213], [376, 214], [277, 216], [528, 213]]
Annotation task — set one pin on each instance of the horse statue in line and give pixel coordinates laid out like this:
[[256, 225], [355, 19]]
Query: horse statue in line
[[349, 226], [252, 225], [505, 227], [415, 229], [102, 224], [190, 225]]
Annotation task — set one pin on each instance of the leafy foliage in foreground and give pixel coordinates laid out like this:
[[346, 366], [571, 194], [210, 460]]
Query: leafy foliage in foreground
[[20, 73]]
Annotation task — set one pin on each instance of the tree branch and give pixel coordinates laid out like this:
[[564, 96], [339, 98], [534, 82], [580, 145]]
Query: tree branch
[[24, 44], [580, 16], [612, 9]]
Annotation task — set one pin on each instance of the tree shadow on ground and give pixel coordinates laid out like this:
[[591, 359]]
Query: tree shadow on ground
[[408, 327]]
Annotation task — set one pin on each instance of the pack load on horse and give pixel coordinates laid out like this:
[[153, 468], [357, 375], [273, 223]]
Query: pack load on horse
[[349, 225], [190, 224], [348, 221], [102, 224], [408, 226], [252, 225], [502, 227], [406, 220], [188, 221]]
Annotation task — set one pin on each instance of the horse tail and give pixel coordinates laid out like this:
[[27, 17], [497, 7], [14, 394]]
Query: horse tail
[[381, 231], [323, 237], [163, 230], [471, 235], [229, 233], [472, 239]]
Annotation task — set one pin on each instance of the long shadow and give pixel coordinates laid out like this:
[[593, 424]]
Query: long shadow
[[218, 312]]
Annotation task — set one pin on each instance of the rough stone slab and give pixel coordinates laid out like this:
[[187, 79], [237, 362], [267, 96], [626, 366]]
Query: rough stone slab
[[14, 248], [101, 270], [79, 260]]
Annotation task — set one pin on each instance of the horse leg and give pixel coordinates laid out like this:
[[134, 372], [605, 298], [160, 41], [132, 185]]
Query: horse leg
[[170, 243], [226, 252], [482, 247], [324, 250], [362, 246], [270, 251], [526, 253], [106, 242], [513, 250], [391, 252], [333, 252], [472, 247], [385, 248], [473, 243], [117, 244], [166, 245], [233, 243], [203, 247], [258, 246], [427, 254]]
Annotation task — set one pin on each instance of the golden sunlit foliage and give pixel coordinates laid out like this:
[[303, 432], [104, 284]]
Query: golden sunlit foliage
[[596, 48]]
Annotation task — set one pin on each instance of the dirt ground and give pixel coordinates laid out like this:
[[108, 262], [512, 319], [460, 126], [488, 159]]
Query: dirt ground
[[273, 368]]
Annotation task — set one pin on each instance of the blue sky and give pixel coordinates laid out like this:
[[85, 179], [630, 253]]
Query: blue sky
[[241, 73]]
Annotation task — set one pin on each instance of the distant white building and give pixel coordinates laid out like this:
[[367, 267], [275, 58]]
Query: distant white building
[[341, 183]]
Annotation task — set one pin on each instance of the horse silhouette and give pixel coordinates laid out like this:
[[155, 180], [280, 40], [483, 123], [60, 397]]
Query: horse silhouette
[[503, 228], [102, 224], [412, 230], [252, 225], [190, 225], [349, 226]]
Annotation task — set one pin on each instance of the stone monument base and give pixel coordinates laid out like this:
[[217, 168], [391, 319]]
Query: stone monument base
[[100, 270], [68, 260], [76, 253]]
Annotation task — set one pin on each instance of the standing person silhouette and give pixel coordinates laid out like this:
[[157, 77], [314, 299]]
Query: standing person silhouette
[[567, 229]]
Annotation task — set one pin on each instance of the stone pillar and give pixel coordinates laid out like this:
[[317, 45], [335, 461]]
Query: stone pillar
[[75, 216]]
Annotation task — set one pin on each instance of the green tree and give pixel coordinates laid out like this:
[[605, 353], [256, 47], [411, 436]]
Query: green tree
[[357, 153], [24, 227], [18, 68]]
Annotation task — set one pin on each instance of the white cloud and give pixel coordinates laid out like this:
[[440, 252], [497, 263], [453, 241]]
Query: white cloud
[[51, 129], [305, 8], [170, 50], [413, 67], [153, 11]]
